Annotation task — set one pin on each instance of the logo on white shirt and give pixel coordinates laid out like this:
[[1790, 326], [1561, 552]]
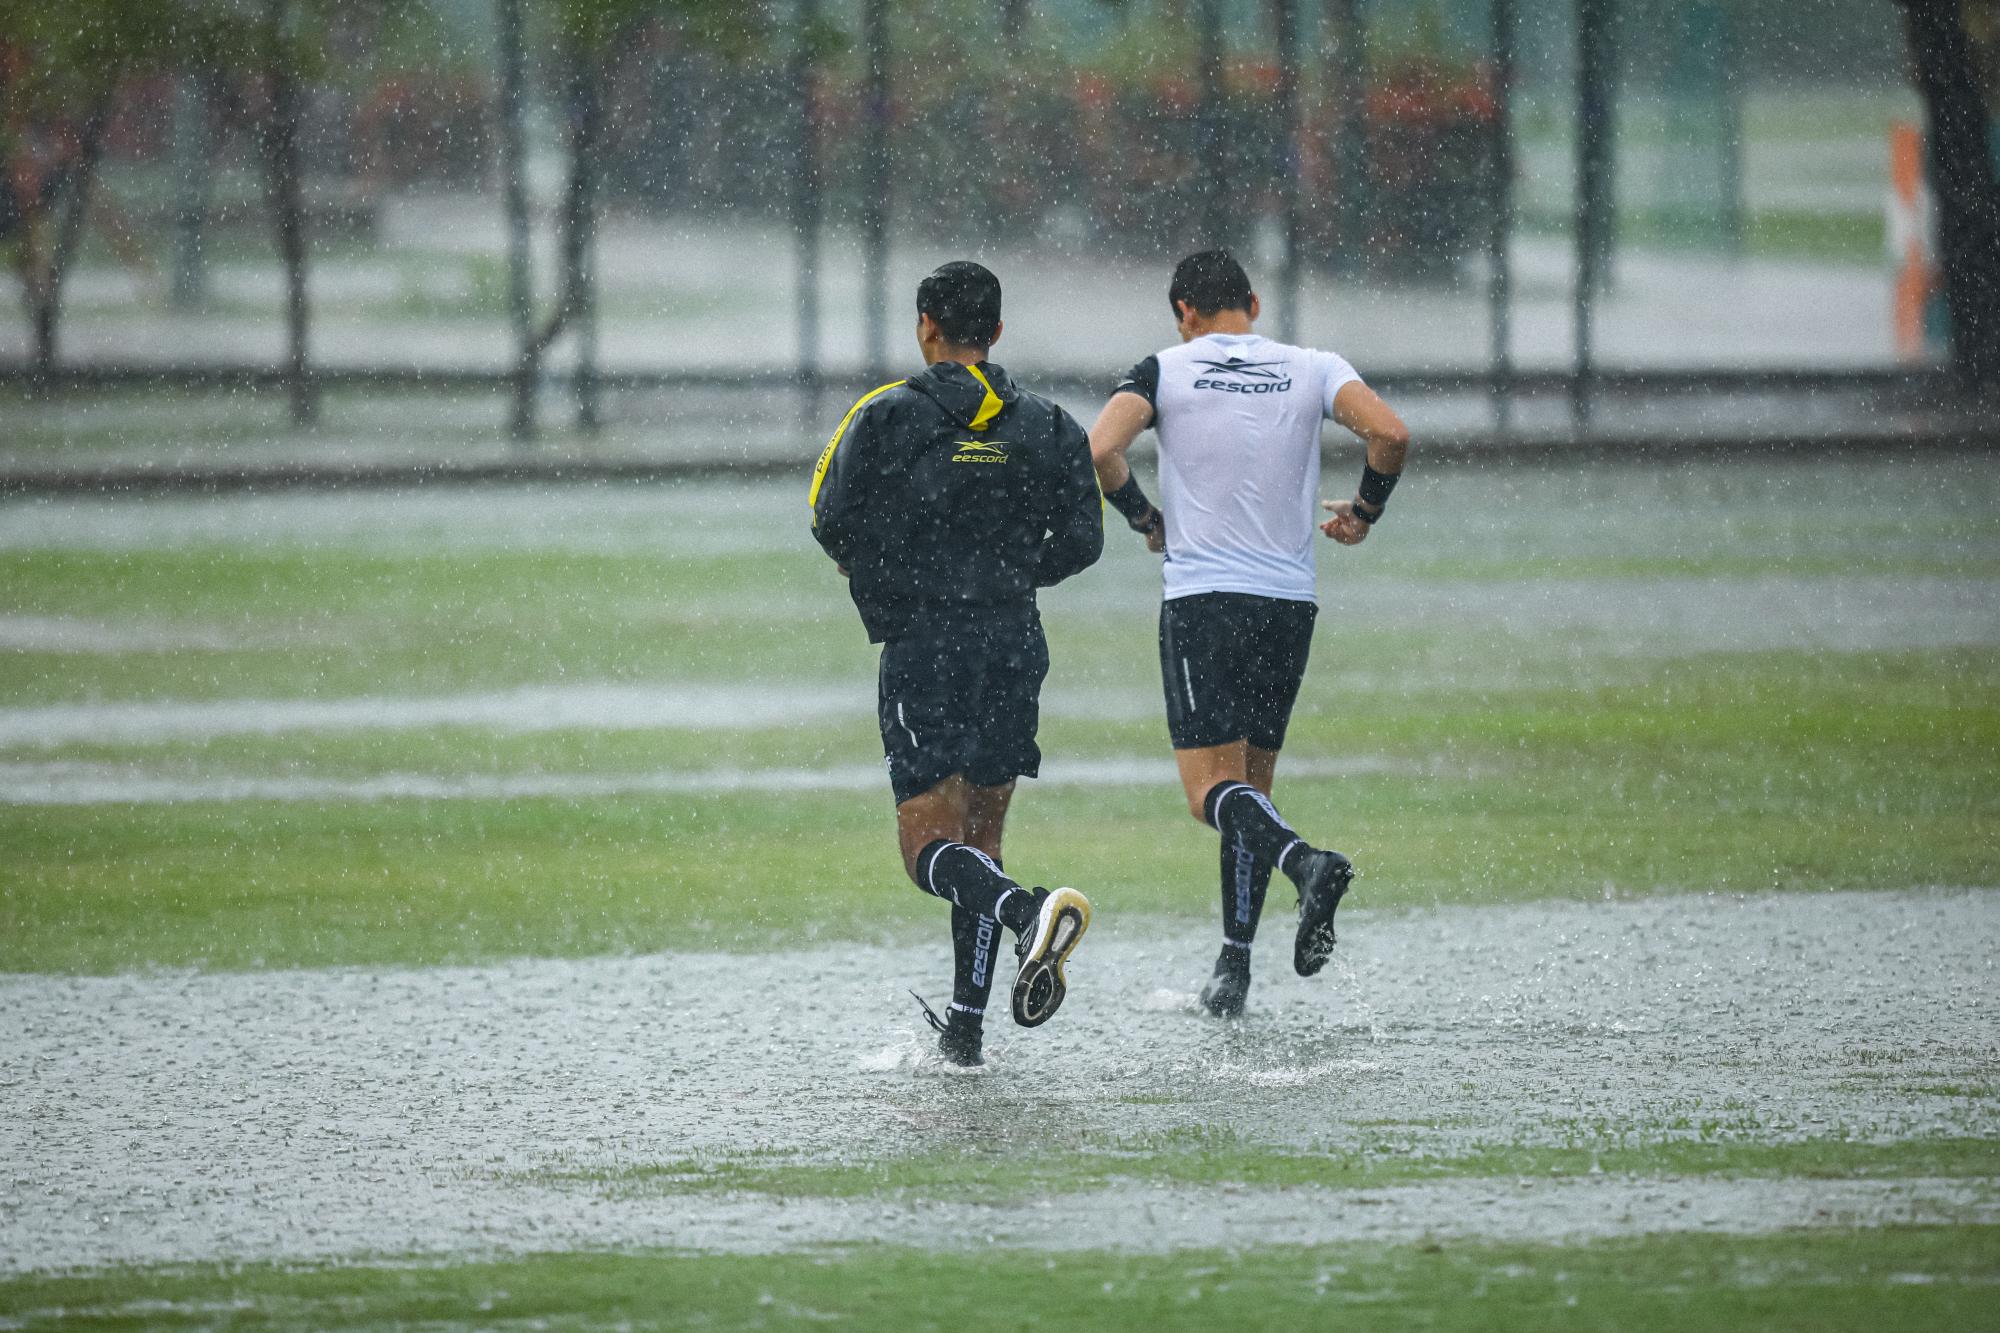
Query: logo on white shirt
[[1252, 376]]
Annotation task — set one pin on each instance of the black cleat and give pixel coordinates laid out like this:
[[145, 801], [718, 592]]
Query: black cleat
[[960, 1034], [960, 1042], [1322, 881], [1224, 994], [1061, 917]]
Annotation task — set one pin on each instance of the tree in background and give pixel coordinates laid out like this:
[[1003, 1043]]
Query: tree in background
[[1964, 183], [61, 67], [61, 71], [588, 38], [282, 54], [274, 54]]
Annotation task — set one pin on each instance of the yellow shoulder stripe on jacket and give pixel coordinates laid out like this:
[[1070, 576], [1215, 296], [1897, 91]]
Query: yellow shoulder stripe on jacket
[[826, 454], [990, 406]]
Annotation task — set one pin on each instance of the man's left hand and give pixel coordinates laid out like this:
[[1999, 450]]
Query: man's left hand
[[1344, 527]]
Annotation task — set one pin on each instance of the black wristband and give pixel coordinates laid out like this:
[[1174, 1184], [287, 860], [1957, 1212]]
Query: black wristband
[[1130, 501], [1375, 488]]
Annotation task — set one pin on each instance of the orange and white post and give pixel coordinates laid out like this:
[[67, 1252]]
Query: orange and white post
[[1909, 237]]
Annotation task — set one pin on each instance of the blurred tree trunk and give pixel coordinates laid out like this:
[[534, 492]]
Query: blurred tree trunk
[[281, 157], [514, 193], [878, 181], [1285, 19], [580, 233], [1341, 34], [585, 109], [192, 174], [1963, 183], [1014, 26], [1211, 149], [47, 255], [594, 34], [806, 209]]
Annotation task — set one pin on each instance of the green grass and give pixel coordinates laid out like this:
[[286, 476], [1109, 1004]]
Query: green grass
[[1719, 775], [1574, 762], [1210, 1158], [1843, 238], [1891, 1277], [1855, 238]]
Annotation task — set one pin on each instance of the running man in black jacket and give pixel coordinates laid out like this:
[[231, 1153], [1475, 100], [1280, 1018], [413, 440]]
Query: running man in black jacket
[[947, 499]]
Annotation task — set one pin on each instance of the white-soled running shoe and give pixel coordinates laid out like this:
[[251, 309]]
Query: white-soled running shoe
[[1061, 917]]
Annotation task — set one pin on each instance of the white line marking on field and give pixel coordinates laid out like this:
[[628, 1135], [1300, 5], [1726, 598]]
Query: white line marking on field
[[66, 783], [70, 634], [532, 708], [586, 706]]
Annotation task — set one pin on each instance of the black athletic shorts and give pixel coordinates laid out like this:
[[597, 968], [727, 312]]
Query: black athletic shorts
[[1231, 665], [963, 695]]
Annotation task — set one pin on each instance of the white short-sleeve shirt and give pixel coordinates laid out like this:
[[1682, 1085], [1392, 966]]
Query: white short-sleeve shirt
[[1238, 418]]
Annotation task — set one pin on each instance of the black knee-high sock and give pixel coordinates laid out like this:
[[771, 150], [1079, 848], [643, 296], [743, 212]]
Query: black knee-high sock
[[973, 938], [1245, 877], [966, 878], [1245, 817]]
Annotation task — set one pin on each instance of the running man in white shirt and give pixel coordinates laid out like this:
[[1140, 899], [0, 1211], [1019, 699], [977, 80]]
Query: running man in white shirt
[[1238, 418]]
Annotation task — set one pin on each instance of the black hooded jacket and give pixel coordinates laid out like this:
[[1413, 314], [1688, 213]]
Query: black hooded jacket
[[955, 490]]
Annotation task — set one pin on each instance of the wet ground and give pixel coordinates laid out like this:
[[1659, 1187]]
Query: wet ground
[[164, 1115], [706, 294], [326, 1113]]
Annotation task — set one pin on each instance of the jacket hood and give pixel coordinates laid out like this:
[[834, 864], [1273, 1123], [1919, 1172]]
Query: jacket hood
[[972, 396]]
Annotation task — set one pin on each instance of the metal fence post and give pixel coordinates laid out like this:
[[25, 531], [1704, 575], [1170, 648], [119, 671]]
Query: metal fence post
[[875, 184], [1500, 210], [806, 212], [1211, 154], [1593, 187], [1351, 202], [1284, 13]]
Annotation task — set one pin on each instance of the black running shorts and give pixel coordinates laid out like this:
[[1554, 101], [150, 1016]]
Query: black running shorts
[[963, 696], [1231, 665]]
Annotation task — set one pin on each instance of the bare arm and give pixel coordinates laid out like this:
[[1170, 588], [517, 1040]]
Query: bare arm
[[1361, 410], [1123, 417], [1117, 426]]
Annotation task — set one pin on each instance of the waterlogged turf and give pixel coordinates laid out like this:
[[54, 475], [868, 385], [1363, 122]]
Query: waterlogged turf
[[483, 892], [1889, 1277], [1543, 1071], [1200, 1156]]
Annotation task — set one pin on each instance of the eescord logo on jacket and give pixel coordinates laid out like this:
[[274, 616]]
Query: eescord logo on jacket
[[980, 451]]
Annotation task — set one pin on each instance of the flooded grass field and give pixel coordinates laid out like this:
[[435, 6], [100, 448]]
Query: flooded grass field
[[413, 900]]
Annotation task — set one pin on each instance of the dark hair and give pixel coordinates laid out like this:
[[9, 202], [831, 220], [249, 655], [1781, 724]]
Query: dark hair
[[964, 299], [1209, 281]]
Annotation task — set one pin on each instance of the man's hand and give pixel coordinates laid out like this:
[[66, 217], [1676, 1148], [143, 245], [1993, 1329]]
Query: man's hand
[[1344, 527], [1155, 533]]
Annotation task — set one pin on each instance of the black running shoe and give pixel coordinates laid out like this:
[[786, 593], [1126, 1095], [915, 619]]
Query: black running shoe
[[960, 1034], [960, 1042], [1322, 881], [1224, 994], [1061, 917]]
